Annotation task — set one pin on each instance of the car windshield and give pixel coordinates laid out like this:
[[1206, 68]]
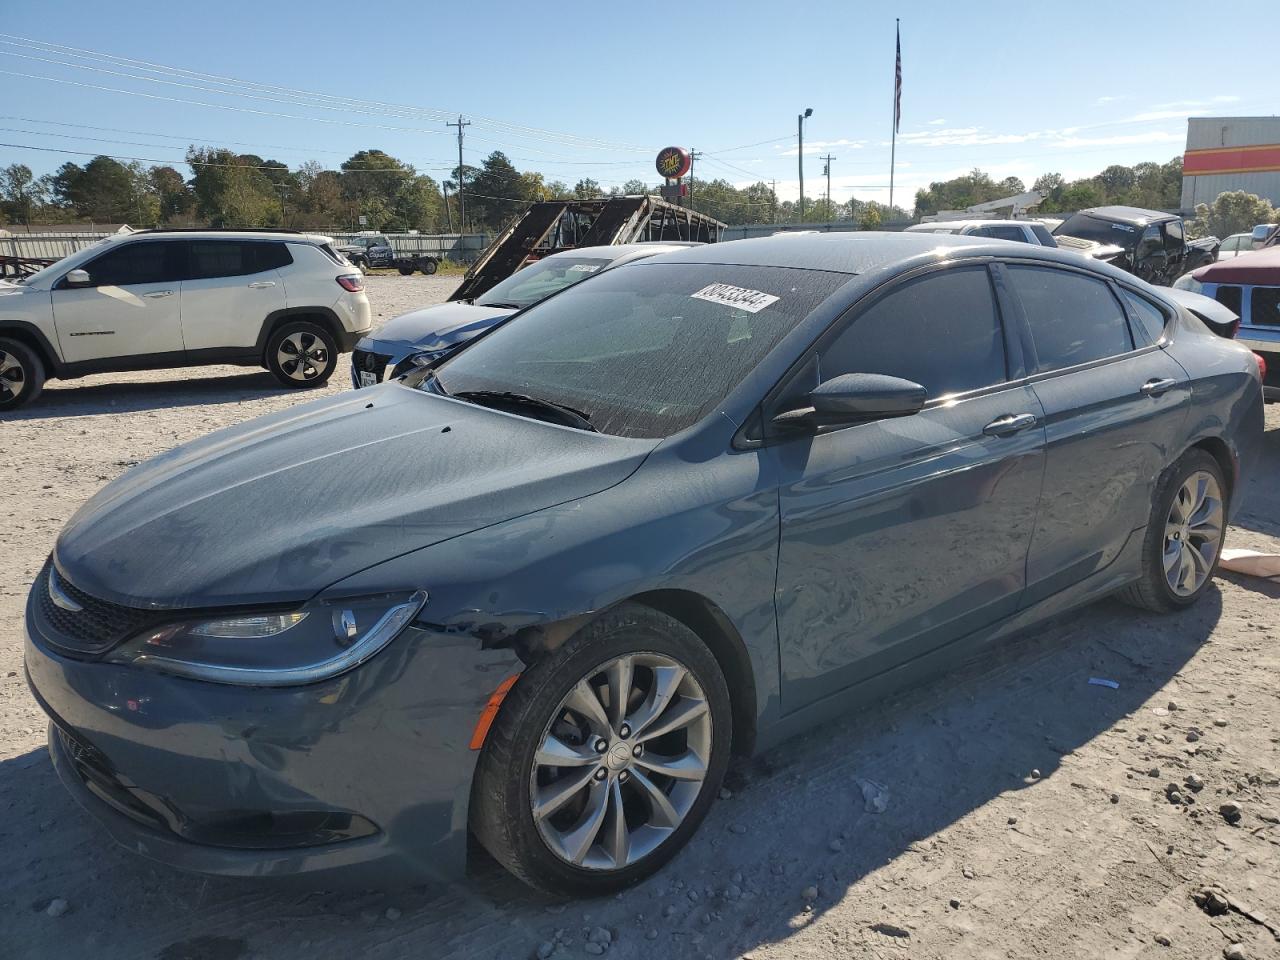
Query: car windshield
[[540, 280], [1101, 231], [645, 351]]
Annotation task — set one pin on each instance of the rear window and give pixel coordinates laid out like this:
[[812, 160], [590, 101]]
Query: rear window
[[1102, 231], [1043, 235]]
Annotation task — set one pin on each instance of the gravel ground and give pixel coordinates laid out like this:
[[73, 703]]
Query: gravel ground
[[1024, 812]]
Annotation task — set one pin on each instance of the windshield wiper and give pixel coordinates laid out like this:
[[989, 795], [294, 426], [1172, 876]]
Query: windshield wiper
[[499, 305], [569, 416]]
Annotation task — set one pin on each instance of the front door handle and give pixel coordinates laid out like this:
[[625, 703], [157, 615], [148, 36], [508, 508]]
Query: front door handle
[[1010, 424], [1153, 388], [157, 294], [259, 284]]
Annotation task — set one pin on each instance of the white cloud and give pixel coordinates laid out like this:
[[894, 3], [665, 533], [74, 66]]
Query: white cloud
[[936, 123], [1102, 100], [815, 147]]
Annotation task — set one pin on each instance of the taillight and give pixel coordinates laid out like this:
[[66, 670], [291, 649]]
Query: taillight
[[351, 282], [1262, 365]]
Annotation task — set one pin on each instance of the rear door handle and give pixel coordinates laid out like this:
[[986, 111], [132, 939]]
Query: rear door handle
[[258, 285], [1153, 388], [1008, 425], [157, 294]]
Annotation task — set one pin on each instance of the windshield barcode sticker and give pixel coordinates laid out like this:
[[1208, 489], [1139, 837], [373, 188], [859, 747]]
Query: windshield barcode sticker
[[583, 268], [740, 298]]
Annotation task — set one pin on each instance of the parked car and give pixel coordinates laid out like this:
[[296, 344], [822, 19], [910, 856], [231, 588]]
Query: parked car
[[376, 251], [424, 336], [676, 513], [155, 299], [1020, 231], [1265, 235], [1235, 245], [1153, 245], [1248, 285]]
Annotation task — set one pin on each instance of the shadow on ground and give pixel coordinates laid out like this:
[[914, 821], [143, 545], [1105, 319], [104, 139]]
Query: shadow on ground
[[943, 751], [127, 396]]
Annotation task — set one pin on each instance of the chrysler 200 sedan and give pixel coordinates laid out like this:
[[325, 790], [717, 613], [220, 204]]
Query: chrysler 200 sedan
[[542, 592]]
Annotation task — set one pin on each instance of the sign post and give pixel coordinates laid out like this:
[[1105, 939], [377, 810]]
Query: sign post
[[673, 163]]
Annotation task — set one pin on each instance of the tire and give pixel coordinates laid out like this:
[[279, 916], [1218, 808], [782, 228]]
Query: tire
[[316, 344], [1172, 535], [21, 374], [405, 270], [429, 267], [508, 779]]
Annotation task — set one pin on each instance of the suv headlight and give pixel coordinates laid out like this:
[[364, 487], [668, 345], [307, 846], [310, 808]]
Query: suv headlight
[[1187, 282], [275, 649]]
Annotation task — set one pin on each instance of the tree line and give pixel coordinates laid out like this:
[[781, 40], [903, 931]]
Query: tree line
[[246, 190]]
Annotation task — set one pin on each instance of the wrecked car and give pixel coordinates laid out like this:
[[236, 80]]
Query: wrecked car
[[1152, 245]]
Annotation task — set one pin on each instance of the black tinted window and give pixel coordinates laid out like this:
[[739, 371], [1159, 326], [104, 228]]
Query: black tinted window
[[1008, 233], [1150, 242], [1173, 234], [1151, 319], [1043, 235], [1073, 318], [941, 331], [130, 263], [235, 258]]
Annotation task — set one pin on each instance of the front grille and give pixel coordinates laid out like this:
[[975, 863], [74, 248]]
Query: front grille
[[1264, 307], [96, 627], [366, 362]]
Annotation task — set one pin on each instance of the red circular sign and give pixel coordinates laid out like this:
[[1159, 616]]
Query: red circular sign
[[674, 162]]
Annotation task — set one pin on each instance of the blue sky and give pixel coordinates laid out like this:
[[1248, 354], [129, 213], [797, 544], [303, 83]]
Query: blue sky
[[595, 89]]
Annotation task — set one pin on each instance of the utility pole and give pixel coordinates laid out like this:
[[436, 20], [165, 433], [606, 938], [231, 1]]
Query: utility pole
[[462, 196], [808, 112], [826, 168], [773, 189], [693, 156]]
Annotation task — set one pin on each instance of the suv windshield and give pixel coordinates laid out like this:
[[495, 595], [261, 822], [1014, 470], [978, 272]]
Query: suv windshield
[[540, 280], [645, 351], [1101, 231]]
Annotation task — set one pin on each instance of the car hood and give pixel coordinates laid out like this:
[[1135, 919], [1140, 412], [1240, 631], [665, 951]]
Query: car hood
[[441, 326], [276, 509]]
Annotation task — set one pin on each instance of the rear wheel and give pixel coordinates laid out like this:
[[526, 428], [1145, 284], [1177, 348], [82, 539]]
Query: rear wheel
[[302, 354], [1184, 535], [605, 756], [21, 374], [406, 270], [429, 267]]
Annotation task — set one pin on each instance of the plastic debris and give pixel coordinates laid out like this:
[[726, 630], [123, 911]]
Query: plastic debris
[[1100, 682], [875, 795], [1251, 563]]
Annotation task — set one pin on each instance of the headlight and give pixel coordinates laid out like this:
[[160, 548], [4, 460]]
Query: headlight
[[1187, 282], [318, 641]]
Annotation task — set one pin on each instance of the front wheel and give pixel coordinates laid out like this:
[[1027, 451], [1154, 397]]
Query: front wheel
[[605, 756], [406, 270], [302, 354], [1184, 535], [21, 374]]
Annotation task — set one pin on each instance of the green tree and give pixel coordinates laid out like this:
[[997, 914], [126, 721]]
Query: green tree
[[230, 191], [371, 179], [103, 190], [494, 194], [635, 188], [586, 188], [418, 205], [21, 194], [176, 201], [872, 216], [1232, 212]]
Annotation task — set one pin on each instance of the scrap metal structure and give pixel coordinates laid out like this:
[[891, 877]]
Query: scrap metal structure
[[550, 226]]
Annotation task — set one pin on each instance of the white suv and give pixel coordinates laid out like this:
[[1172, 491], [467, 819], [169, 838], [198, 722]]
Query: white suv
[[159, 298]]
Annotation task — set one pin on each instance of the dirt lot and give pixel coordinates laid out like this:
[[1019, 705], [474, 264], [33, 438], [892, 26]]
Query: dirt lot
[[1026, 810]]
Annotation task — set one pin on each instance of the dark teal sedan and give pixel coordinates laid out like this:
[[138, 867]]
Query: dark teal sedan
[[542, 591]]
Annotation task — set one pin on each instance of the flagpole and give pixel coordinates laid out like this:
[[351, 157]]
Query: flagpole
[[897, 87]]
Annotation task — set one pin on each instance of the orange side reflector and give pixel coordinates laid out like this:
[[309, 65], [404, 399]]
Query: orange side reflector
[[490, 711]]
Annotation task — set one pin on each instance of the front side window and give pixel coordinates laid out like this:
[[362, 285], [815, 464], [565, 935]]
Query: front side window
[[643, 351], [941, 331], [1074, 318], [134, 263], [540, 280], [1173, 235], [1150, 242]]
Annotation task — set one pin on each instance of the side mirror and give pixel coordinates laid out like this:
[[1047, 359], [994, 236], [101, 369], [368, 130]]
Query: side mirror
[[854, 397], [78, 278]]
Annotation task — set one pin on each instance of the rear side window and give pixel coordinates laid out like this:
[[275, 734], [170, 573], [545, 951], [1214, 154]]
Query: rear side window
[[1074, 319], [1151, 319], [131, 263], [235, 258], [1043, 235], [1008, 233], [940, 331]]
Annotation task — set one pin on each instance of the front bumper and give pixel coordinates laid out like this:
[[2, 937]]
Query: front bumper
[[366, 775]]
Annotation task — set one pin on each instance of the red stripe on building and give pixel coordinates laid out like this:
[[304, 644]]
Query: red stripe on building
[[1232, 160]]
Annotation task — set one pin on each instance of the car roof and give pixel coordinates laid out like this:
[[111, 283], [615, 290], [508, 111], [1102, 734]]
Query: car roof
[[1258, 267], [943, 225], [280, 235], [1134, 215], [619, 251], [863, 251]]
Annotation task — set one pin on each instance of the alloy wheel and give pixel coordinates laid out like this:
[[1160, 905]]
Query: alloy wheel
[[1193, 533], [622, 761], [302, 356], [13, 377]]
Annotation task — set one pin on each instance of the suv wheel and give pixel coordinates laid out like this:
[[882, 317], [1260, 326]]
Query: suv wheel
[[605, 756], [21, 374], [1184, 535], [302, 354]]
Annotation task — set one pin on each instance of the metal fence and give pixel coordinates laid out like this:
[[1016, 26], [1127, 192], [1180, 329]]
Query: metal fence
[[462, 248]]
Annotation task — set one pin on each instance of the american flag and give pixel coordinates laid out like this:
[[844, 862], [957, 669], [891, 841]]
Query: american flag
[[897, 81]]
